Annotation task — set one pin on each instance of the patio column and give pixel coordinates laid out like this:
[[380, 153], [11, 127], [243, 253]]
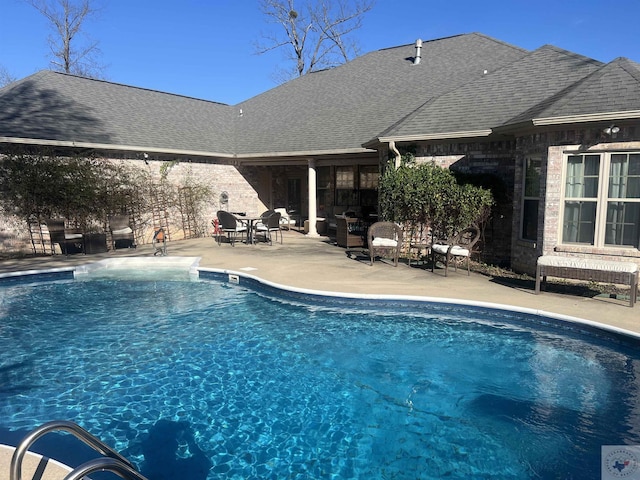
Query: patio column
[[313, 232]]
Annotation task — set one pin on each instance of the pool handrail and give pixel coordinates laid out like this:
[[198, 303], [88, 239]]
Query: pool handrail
[[112, 461]]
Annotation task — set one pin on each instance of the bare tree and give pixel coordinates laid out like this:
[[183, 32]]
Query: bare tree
[[67, 18], [5, 77], [316, 36]]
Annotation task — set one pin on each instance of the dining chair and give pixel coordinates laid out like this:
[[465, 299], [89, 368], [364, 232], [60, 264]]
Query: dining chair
[[268, 227], [230, 225]]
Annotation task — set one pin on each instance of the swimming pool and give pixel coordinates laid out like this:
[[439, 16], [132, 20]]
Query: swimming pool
[[217, 380]]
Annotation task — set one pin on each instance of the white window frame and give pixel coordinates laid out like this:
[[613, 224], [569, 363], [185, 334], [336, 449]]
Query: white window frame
[[602, 199]]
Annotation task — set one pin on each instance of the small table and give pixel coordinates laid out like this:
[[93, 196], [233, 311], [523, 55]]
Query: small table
[[418, 246], [250, 223], [95, 242]]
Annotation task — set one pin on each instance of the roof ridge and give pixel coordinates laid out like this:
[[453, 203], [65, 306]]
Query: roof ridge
[[568, 53], [629, 66], [501, 42]]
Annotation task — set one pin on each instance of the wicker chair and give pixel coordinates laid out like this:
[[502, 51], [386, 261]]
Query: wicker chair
[[384, 239], [350, 232], [459, 247]]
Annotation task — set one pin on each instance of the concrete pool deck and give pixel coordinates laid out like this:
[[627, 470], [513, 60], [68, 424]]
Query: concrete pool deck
[[317, 264]]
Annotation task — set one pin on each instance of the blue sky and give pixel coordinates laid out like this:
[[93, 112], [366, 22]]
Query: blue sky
[[205, 48]]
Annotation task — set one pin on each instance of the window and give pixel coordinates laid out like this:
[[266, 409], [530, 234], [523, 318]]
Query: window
[[602, 199], [345, 178], [346, 193], [623, 202], [531, 199], [369, 177], [369, 186], [323, 190], [357, 185]]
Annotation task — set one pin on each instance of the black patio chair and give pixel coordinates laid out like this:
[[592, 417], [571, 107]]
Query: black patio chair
[[121, 232], [230, 225], [270, 225]]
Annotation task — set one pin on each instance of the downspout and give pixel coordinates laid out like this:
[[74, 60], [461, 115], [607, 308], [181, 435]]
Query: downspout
[[396, 154]]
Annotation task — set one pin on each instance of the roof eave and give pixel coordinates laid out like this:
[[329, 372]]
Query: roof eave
[[591, 117], [302, 153], [105, 146], [431, 136]]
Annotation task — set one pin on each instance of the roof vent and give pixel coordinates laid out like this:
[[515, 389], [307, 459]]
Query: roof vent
[[416, 59]]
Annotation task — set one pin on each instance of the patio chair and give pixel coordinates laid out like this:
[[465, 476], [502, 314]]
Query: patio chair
[[230, 225], [69, 240], [285, 218], [121, 232], [159, 242], [384, 239], [269, 225], [350, 232], [457, 248]]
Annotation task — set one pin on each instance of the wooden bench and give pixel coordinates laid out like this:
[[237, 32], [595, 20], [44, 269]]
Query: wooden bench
[[624, 273]]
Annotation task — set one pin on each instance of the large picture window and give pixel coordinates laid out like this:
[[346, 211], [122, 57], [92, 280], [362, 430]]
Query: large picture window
[[602, 200]]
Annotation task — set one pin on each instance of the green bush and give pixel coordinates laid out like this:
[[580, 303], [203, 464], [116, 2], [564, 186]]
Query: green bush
[[85, 191], [424, 193]]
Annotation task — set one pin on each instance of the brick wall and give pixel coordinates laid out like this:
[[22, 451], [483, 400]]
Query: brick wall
[[552, 147], [479, 158], [240, 183]]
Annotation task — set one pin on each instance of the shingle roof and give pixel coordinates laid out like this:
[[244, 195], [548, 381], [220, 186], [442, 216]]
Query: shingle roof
[[465, 83], [614, 87], [340, 108], [480, 105], [66, 108]]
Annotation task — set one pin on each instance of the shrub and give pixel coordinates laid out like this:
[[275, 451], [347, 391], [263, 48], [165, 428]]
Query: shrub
[[425, 193]]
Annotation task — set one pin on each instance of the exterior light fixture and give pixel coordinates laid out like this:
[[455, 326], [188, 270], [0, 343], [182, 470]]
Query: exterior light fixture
[[612, 130]]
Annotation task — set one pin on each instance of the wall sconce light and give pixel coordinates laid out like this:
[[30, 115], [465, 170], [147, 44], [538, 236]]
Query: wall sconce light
[[612, 130]]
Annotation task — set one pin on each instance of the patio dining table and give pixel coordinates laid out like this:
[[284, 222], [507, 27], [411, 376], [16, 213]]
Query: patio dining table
[[250, 221]]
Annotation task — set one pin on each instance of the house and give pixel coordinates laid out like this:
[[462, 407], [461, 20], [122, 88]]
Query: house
[[560, 130]]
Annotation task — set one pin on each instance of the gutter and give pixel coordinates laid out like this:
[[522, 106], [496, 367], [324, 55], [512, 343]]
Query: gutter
[[106, 146], [437, 136], [591, 117]]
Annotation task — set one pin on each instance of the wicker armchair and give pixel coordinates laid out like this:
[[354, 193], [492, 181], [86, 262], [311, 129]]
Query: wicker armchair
[[350, 232], [384, 239], [459, 247]]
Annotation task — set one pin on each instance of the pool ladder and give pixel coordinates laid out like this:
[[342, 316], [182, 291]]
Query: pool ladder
[[111, 461]]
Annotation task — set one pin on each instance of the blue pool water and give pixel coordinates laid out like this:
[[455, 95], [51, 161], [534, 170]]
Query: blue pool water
[[205, 380]]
